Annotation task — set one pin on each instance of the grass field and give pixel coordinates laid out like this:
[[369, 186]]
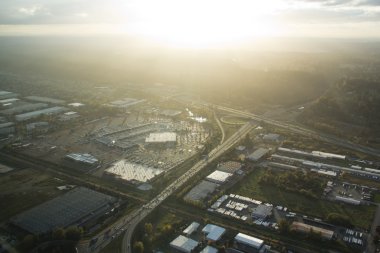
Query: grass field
[[23, 189], [361, 216]]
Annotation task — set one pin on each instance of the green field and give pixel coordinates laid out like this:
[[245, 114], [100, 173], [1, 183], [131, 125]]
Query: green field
[[361, 216]]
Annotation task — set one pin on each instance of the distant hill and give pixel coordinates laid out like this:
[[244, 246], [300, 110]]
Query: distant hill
[[351, 108]]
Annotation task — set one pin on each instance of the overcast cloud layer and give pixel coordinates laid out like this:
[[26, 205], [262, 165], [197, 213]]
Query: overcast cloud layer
[[335, 16]]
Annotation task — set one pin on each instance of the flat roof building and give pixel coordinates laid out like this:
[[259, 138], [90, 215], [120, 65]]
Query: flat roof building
[[46, 100], [229, 167], [209, 249], [82, 158], [248, 243], [271, 137], [165, 137], [191, 228], [24, 107], [258, 154], [183, 244], [125, 102], [201, 191], [76, 207], [305, 228], [7, 94], [219, 177], [262, 212], [213, 232], [35, 114]]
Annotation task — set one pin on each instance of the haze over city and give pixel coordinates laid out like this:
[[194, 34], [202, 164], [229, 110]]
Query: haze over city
[[148, 126]]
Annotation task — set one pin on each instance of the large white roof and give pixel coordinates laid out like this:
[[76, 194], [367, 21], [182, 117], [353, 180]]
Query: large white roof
[[184, 244], [219, 176], [249, 240], [161, 137]]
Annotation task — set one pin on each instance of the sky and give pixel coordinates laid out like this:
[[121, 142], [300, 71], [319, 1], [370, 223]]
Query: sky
[[198, 21]]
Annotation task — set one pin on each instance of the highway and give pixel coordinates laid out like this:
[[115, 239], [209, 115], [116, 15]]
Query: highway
[[303, 131], [128, 223]]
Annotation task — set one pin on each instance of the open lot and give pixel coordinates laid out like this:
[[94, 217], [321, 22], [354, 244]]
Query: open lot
[[23, 189], [361, 216]]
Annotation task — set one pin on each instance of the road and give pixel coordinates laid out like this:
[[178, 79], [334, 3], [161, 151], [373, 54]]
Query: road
[[220, 126], [130, 222], [303, 131]]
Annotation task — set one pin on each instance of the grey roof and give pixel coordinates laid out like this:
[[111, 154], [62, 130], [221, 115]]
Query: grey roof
[[84, 158], [201, 190], [191, 228], [249, 240], [184, 244], [258, 154], [74, 207], [34, 114], [46, 99], [213, 232], [209, 249]]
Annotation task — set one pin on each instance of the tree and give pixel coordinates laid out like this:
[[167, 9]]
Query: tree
[[148, 228], [284, 226], [58, 234], [339, 220], [138, 247]]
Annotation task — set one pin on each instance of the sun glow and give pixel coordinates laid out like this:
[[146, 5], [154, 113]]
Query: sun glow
[[203, 23]]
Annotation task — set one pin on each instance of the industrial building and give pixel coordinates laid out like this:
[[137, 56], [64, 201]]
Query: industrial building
[[76, 104], [248, 243], [86, 159], [35, 114], [213, 232], [45, 100], [219, 177], [183, 244], [125, 102], [23, 107], [7, 94], [209, 249], [68, 116], [37, 127], [350, 201], [262, 212], [170, 113], [80, 207], [132, 171], [229, 167], [305, 228], [272, 138], [7, 128], [191, 228], [258, 154], [166, 138], [201, 191]]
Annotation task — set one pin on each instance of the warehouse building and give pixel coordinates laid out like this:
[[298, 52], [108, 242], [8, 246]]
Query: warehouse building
[[350, 201], [35, 114], [262, 212], [125, 102], [165, 139], [191, 228], [209, 249], [85, 159], [201, 191], [7, 128], [272, 138], [7, 94], [218, 177], [23, 107], [78, 207], [229, 167], [45, 100], [305, 228], [37, 127], [258, 154], [213, 232], [249, 244], [184, 244]]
